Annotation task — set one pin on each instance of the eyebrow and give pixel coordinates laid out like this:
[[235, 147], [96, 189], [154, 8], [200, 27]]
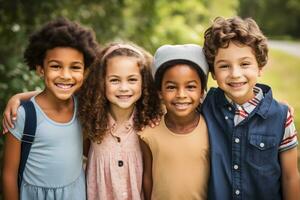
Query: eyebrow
[[173, 82], [129, 76], [75, 62], [242, 58]]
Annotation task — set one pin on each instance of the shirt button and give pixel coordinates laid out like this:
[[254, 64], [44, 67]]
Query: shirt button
[[235, 166], [120, 163], [237, 192], [229, 108], [226, 117], [262, 144], [118, 139], [237, 140]]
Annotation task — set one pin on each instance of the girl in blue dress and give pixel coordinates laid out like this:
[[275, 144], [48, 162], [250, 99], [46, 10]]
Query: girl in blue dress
[[60, 52]]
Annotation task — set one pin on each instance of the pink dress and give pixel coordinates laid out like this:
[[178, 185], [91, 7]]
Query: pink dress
[[115, 168]]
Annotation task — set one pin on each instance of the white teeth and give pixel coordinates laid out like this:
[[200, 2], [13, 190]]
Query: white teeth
[[123, 96], [236, 84], [181, 105], [64, 86]]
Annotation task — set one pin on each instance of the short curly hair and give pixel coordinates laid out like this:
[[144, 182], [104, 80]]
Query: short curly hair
[[93, 104], [61, 33], [235, 29]]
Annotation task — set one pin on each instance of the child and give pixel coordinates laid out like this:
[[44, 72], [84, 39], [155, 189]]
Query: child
[[60, 52], [176, 153], [252, 137], [118, 99]]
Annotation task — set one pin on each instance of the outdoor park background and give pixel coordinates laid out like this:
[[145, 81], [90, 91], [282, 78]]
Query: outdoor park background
[[151, 23]]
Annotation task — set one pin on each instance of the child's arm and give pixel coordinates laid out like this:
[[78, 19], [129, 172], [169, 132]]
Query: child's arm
[[10, 112], [147, 171], [290, 179], [11, 162]]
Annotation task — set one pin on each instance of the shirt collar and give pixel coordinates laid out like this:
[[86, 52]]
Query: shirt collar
[[113, 124], [250, 105]]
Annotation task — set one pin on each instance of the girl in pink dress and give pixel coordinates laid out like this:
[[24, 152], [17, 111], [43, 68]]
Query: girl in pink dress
[[117, 100]]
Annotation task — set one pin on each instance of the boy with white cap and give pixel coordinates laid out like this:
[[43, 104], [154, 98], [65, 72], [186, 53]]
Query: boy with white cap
[[176, 153]]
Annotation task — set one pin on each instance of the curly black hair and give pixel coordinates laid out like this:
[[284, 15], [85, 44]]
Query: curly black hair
[[61, 33]]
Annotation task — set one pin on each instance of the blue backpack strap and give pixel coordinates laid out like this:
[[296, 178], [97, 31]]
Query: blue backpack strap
[[28, 136]]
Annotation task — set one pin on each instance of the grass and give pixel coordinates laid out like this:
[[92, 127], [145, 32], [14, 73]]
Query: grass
[[282, 73]]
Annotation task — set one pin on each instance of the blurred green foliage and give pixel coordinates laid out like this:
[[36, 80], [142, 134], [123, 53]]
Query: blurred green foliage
[[277, 18]]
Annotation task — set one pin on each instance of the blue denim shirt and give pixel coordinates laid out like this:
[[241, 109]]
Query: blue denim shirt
[[244, 158]]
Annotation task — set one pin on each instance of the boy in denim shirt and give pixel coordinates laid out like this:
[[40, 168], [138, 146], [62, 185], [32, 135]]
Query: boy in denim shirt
[[252, 137]]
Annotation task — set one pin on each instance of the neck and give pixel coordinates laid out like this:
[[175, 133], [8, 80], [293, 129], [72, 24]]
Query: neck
[[182, 125], [48, 101], [56, 109], [121, 115]]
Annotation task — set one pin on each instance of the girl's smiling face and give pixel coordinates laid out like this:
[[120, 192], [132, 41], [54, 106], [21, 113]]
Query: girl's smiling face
[[63, 72], [181, 91], [123, 82]]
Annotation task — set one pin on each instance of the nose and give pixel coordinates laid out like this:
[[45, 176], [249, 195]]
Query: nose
[[181, 93], [235, 71], [66, 74], [123, 86]]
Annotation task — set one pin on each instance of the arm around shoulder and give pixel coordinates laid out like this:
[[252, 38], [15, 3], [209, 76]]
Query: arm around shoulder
[[11, 160], [10, 112]]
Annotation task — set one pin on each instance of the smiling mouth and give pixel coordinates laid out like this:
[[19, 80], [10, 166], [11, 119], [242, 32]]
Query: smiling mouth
[[181, 106], [64, 86], [236, 85], [123, 97]]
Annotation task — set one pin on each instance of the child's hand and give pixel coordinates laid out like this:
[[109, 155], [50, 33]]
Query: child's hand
[[291, 109], [155, 122], [10, 113]]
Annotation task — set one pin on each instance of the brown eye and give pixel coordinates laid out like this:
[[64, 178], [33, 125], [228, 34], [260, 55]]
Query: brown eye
[[54, 66], [114, 80], [132, 80], [170, 87], [76, 68]]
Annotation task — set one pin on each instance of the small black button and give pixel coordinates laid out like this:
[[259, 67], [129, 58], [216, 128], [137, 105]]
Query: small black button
[[120, 163], [118, 139]]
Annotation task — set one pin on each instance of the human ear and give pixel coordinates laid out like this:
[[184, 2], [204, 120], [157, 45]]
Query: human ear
[[40, 71]]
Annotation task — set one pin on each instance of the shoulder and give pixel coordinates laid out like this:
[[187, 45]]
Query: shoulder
[[212, 94], [149, 132], [202, 127], [270, 106], [17, 131]]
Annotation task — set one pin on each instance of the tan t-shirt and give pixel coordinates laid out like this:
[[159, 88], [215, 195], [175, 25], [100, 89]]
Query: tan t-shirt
[[180, 167]]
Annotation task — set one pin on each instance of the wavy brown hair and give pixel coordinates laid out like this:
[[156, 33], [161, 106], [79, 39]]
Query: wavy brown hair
[[94, 106], [238, 30]]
